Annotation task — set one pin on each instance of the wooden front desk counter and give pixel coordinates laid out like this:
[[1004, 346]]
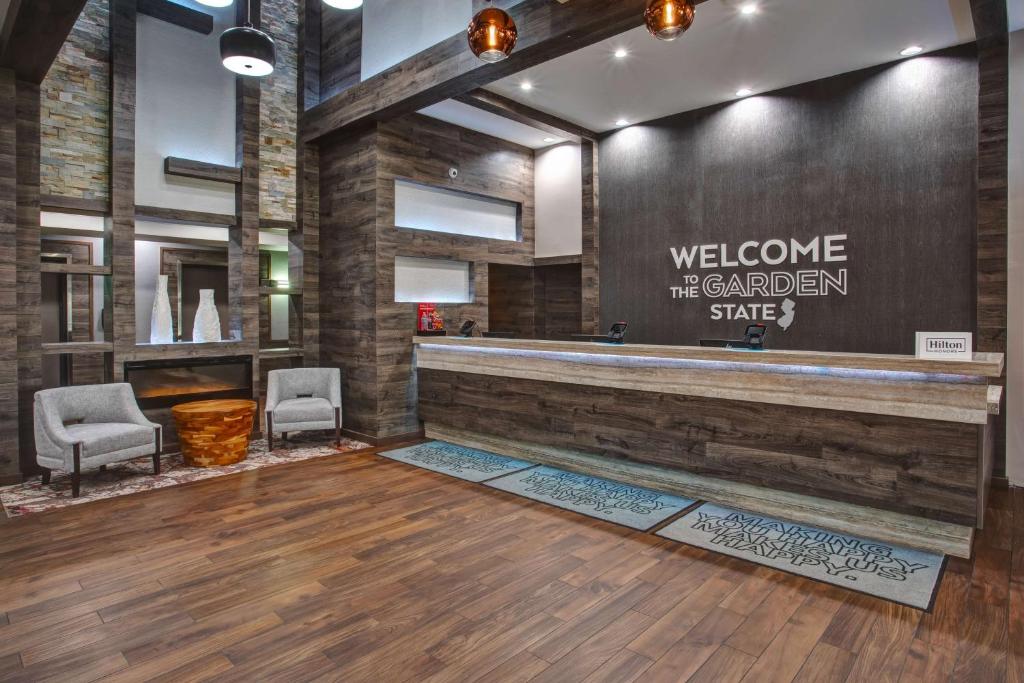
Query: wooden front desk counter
[[892, 447]]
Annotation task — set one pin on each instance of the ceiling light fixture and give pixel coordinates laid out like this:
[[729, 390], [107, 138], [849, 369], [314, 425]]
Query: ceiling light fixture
[[912, 50], [246, 50], [526, 85], [344, 4], [492, 34], [621, 53], [744, 92], [668, 19], [215, 3], [549, 139], [622, 122], [749, 8]]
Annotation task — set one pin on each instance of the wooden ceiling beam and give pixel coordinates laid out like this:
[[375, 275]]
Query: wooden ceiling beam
[[521, 113], [448, 69], [991, 19], [36, 30]]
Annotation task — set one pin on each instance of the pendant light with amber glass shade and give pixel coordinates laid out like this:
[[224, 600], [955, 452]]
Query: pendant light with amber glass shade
[[492, 34], [668, 19]]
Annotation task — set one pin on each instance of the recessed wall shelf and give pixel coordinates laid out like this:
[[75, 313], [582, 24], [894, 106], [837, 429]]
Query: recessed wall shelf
[[61, 348], [74, 205], [74, 269], [570, 259], [202, 170], [277, 224]]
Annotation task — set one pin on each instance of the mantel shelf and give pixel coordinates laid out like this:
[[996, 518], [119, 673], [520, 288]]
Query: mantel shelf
[[61, 348], [281, 353]]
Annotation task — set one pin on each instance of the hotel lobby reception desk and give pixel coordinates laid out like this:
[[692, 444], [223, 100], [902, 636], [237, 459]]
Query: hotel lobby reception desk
[[891, 447]]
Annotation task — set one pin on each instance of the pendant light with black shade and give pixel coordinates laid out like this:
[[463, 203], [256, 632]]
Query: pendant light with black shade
[[247, 51]]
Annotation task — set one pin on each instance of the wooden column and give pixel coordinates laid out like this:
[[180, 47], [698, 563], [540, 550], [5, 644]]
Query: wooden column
[[120, 238], [244, 236], [304, 241], [8, 278], [591, 303], [991, 24], [28, 287]]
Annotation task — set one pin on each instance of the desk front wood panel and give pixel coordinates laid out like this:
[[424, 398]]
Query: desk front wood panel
[[921, 467]]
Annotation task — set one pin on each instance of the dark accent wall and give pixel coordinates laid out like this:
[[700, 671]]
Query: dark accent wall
[[341, 49], [887, 156]]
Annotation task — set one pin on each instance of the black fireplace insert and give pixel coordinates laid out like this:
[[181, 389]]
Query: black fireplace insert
[[165, 383]]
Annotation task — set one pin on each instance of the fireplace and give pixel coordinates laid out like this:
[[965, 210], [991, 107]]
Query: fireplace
[[165, 383]]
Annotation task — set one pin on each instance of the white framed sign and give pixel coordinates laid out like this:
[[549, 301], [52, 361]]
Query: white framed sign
[[945, 345]]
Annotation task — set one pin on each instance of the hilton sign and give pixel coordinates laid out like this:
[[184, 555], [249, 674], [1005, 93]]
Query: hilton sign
[[945, 345]]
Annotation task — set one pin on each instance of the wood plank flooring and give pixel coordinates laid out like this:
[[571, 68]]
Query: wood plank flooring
[[358, 568]]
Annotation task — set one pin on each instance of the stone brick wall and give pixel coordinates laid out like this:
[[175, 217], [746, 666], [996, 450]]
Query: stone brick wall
[[75, 111], [279, 114]]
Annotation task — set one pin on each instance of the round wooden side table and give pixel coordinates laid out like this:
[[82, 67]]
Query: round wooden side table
[[214, 433]]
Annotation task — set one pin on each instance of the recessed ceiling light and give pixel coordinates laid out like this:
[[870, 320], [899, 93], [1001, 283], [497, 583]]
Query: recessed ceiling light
[[621, 53], [749, 8], [342, 4], [912, 50], [744, 92], [622, 122], [215, 3], [526, 85], [549, 139]]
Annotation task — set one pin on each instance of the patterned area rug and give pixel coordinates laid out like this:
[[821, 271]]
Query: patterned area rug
[[631, 506], [901, 575], [457, 461], [136, 475]]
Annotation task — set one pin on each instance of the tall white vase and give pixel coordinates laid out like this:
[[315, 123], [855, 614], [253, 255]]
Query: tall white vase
[[161, 329], [206, 327]]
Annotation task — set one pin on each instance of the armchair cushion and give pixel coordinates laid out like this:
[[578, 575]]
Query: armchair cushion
[[294, 410], [98, 439]]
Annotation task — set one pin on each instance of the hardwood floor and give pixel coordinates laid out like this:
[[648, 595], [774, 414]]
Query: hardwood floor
[[358, 568]]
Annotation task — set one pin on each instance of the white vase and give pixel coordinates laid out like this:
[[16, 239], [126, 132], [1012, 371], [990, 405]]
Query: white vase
[[161, 329], [206, 327]]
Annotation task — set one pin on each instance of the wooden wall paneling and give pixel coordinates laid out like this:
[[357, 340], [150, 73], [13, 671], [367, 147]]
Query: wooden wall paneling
[[546, 30], [74, 205], [36, 35], [348, 281], [591, 259], [421, 149], [513, 303], [244, 236], [304, 237], [120, 236], [28, 234], [309, 32], [991, 23], [341, 43], [559, 291], [868, 460], [9, 465]]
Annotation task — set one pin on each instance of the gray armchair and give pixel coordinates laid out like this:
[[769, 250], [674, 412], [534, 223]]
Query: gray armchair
[[91, 426], [303, 399]]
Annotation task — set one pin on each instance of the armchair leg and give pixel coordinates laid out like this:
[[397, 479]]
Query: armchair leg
[[156, 454], [337, 427], [270, 431], [46, 476], [76, 475], [103, 468]]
